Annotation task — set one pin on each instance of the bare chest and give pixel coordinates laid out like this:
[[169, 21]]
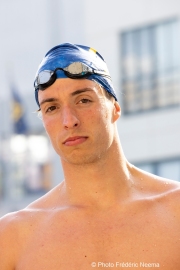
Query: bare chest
[[135, 242]]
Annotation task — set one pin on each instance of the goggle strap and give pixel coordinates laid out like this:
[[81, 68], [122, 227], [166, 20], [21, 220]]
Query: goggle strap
[[100, 72]]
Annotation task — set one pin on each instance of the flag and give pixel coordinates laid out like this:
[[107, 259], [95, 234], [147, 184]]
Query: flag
[[18, 114]]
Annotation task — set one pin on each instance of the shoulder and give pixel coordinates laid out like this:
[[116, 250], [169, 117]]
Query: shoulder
[[8, 226], [15, 229], [34, 212], [165, 192], [171, 198], [9, 239], [12, 224], [154, 183], [49, 200]]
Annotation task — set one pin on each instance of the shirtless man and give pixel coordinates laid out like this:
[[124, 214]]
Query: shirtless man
[[106, 213]]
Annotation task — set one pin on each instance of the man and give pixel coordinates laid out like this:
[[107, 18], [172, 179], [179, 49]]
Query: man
[[106, 212]]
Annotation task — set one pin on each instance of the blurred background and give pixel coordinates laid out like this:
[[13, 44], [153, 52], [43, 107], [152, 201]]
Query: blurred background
[[140, 41]]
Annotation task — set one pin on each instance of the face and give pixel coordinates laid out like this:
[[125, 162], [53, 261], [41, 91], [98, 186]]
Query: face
[[79, 119]]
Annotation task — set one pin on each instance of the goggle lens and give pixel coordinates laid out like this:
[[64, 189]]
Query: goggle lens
[[44, 77], [77, 68]]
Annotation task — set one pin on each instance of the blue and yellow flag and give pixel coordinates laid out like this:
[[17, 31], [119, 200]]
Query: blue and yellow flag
[[18, 115]]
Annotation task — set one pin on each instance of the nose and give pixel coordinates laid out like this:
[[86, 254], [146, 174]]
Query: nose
[[69, 118]]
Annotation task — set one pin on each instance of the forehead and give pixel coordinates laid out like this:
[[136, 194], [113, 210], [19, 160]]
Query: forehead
[[65, 87]]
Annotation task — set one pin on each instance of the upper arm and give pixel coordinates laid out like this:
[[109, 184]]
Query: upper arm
[[7, 242]]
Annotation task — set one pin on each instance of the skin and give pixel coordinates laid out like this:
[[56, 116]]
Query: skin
[[106, 210]]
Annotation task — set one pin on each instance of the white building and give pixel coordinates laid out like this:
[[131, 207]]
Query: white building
[[140, 42]]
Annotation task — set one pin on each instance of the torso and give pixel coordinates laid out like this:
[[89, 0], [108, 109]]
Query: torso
[[143, 233]]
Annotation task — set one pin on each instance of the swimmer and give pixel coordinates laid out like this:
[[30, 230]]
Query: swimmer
[[106, 212]]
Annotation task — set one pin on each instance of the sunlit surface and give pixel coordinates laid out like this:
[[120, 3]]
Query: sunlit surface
[[26, 168], [18, 144], [38, 146]]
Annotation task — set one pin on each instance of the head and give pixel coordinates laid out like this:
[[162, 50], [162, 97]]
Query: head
[[78, 103], [72, 61]]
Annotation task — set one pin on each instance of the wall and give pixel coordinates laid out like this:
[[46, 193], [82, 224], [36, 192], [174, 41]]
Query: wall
[[149, 136]]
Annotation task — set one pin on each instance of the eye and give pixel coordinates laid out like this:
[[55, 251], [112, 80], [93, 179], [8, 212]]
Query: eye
[[84, 100], [51, 108]]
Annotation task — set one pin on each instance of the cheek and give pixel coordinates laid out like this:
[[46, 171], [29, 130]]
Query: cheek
[[104, 115], [52, 132], [87, 117], [49, 126]]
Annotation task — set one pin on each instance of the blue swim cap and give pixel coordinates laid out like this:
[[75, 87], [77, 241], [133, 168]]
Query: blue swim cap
[[64, 54]]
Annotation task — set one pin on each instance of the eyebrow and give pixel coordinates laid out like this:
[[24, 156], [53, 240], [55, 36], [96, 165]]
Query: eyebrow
[[81, 91], [48, 100], [77, 92]]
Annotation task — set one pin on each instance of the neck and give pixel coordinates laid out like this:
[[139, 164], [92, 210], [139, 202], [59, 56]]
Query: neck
[[89, 184]]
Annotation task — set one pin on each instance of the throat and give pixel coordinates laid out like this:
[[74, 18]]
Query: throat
[[97, 187]]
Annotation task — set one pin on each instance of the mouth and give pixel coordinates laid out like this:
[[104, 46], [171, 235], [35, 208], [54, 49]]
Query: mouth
[[71, 141]]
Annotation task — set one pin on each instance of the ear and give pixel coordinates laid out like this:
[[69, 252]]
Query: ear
[[116, 111]]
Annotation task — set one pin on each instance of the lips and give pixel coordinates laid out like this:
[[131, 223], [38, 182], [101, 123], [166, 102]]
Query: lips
[[71, 141]]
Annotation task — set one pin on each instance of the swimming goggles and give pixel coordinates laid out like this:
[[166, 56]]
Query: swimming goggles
[[75, 70]]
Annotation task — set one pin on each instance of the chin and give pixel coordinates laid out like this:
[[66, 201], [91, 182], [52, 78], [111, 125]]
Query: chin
[[81, 160]]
